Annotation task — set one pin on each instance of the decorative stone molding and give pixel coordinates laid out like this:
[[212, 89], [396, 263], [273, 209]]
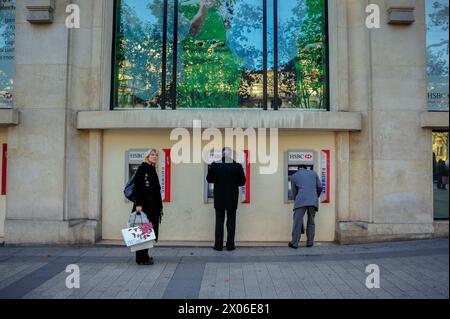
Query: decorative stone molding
[[434, 120], [220, 118], [401, 11], [9, 117], [40, 11]]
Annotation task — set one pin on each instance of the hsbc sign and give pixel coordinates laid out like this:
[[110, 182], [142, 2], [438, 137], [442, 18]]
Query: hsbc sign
[[137, 156], [301, 156]]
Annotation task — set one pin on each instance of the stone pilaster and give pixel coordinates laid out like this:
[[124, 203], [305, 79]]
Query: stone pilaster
[[53, 195], [390, 159]]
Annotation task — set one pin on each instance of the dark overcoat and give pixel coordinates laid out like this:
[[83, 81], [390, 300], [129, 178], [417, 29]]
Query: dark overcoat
[[227, 178], [147, 192]]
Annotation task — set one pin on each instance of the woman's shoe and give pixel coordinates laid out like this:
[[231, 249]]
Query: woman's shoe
[[149, 261]]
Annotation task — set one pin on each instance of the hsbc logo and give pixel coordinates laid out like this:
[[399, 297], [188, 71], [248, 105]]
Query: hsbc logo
[[301, 156], [136, 156]]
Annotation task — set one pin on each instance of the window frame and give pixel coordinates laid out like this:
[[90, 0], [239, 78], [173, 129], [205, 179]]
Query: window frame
[[427, 65], [114, 67], [6, 106], [432, 184]]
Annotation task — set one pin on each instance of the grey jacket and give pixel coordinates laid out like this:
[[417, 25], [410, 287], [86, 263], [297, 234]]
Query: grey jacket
[[306, 188]]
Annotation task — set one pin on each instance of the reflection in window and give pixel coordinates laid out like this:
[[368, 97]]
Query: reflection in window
[[7, 34], [223, 53], [301, 54], [138, 54], [440, 174], [437, 54]]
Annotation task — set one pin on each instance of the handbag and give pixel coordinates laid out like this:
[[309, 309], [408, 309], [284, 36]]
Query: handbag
[[139, 236]]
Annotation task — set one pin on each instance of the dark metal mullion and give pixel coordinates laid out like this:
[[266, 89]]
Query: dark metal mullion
[[164, 57], [114, 92], [174, 55], [265, 55], [275, 54]]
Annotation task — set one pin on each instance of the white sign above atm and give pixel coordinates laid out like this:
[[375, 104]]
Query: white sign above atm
[[136, 155], [301, 156]]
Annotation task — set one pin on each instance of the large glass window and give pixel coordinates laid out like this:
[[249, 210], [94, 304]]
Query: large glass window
[[437, 54], [7, 32], [440, 174], [220, 54]]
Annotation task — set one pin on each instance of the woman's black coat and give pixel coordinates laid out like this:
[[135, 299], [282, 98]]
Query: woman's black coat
[[147, 192]]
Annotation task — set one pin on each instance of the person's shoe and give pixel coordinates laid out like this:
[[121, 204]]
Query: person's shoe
[[292, 245], [148, 262], [309, 245], [217, 248], [231, 248]]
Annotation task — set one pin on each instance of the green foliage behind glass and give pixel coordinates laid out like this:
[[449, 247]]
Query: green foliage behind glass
[[211, 76]]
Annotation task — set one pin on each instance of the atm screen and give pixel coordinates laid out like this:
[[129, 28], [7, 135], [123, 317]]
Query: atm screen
[[132, 168], [292, 169], [210, 190]]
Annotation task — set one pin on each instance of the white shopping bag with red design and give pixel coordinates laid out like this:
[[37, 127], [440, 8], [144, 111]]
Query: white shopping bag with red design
[[139, 235]]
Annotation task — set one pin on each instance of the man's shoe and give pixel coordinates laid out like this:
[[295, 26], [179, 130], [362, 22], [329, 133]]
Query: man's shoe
[[231, 248], [292, 245], [309, 245], [217, 248]]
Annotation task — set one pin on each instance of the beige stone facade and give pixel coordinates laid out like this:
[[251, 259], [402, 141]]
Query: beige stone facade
[[66, 148]]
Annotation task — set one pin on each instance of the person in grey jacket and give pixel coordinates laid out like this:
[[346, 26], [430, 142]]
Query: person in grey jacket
[[306, 189]]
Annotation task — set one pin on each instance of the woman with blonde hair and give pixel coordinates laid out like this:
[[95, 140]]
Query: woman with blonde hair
[[147, 191]]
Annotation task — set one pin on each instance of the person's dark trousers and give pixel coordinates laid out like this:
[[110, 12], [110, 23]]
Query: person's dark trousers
[[231, 228], [299, 213], [142, 256]]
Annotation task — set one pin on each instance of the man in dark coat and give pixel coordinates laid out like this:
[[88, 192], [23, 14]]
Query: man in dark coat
[[227, 176]]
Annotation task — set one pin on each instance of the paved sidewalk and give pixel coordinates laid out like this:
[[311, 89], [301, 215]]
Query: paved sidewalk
[[410, 269]]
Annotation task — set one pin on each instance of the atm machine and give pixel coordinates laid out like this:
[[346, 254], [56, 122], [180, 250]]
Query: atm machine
[[308, 159], [244, 191], [134, 158]]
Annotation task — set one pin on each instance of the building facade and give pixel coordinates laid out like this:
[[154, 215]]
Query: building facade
[[365, 105]]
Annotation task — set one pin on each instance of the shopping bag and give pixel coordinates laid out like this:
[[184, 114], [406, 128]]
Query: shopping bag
[[146, 245], [138, 234], [141, 233]]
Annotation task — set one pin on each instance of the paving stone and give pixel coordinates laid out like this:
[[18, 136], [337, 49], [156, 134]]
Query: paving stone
[[237, 288], [157, 290], [265, 281], [252, 290]]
